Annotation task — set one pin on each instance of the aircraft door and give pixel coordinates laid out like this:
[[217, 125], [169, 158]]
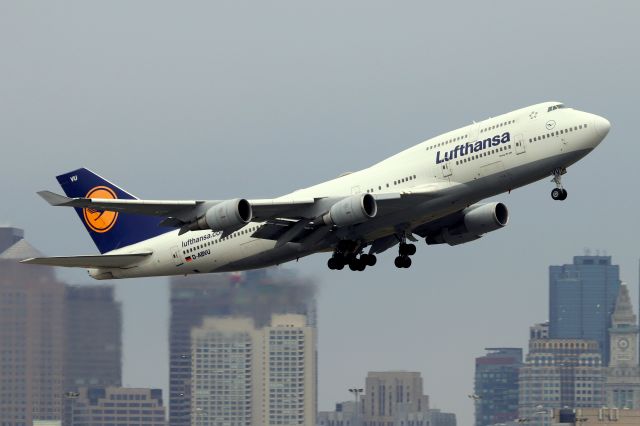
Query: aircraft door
[[176, 256], [446, 169], [519, 144]]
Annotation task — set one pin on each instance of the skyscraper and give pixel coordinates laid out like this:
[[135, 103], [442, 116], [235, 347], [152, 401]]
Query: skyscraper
[[496, 383], [560, 373], [386, 390], [291, 378], [582, 297], [31, 335], [93, 323], [254, 294], [391, 398], [623, 375], [227, 358], [243, 375]]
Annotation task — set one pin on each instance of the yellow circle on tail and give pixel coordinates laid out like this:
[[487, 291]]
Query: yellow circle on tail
[[100, 221]]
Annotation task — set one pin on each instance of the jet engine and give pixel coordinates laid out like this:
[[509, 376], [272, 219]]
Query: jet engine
[[351, 210], [226, 216], [476, 221]]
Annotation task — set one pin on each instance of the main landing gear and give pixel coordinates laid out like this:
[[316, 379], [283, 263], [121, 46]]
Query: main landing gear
[[404, 251], [346, 253], [558, 193]]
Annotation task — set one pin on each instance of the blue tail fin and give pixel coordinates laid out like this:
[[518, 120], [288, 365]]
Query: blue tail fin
[[109, 230]]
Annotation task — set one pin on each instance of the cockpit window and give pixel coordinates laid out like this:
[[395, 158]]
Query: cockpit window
[[559, 106]]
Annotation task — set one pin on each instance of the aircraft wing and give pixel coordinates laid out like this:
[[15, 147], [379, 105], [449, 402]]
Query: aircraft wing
[[183, 210], [99, 261], [180, 212]]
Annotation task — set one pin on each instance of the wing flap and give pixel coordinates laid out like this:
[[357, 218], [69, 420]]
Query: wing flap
[[91, 261]]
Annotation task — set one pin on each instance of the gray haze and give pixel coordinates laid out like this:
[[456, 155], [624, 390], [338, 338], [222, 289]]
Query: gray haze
[[228, 99]]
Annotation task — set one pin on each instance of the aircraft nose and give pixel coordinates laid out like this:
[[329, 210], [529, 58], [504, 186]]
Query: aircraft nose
[[601, 126]]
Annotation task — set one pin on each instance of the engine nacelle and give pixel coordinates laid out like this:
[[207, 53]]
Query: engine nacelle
[[227, 215], [476, 221], [352, 210]]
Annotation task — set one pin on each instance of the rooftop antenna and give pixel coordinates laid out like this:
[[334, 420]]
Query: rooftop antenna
[[587, 251]]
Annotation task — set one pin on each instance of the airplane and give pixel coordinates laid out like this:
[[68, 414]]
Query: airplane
[[430, 191]]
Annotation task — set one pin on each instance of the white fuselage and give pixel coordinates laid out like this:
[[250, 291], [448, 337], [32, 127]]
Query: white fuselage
[[483, 159]]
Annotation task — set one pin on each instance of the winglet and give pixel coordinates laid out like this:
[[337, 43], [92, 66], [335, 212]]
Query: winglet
[[54, 199]]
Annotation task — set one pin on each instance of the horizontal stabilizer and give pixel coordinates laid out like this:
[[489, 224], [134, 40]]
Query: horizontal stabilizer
[[54, 199], [100, 261]]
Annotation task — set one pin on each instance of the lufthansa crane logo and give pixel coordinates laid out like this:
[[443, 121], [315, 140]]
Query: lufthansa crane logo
[[100, 221]]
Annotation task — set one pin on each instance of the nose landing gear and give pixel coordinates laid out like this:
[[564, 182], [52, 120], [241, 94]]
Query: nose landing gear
[[558, 193]]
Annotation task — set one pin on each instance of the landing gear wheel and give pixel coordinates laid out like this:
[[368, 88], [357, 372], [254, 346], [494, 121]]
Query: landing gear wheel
[[332, 264], [369, 259], [357, 265], [335, 263], [402, 262], [407, 249], [559, 194]]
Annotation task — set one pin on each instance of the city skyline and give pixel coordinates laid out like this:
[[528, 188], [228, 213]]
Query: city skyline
[[227, 300], [215, 100]]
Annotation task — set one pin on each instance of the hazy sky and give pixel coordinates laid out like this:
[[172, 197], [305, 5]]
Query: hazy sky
[[230, 99]]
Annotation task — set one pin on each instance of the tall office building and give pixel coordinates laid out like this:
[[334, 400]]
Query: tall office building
[[291, 378], [31, 335], [582, 297], [387, 390], [227, 356], [93, 323], [244, 375], [392, 398], [496, 383], [560, 373], [117, 406], [254, 294], [623, 375]]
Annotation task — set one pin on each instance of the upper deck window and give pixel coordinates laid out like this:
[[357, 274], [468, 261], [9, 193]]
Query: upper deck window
[[559, 106]]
